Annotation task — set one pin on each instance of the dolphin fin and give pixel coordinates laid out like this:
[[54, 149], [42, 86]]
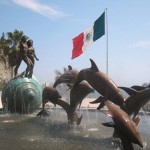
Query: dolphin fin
[[69, 67], [94, 66], [136, 120], [109, 124], [98, 100], [129, 90], [44, 113]]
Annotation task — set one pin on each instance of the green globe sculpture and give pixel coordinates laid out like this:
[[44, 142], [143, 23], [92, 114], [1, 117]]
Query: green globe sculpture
[[22, 95]]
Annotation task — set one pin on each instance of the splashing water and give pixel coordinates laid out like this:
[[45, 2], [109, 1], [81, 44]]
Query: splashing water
[[28, 132]]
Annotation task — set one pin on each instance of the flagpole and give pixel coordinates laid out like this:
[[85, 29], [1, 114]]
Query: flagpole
[[106, 32]]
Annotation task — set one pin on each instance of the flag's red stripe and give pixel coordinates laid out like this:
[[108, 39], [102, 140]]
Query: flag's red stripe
[[77, 45]]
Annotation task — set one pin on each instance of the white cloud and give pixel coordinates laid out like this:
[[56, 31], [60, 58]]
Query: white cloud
[[141, 44], [43, 9]]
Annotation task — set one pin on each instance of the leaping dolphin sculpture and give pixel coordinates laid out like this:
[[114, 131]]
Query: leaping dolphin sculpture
[[51, 94], [78, 93], [136, 100], [48, 94], [76, 96], [102, 84], [68, 77], [124, 125]]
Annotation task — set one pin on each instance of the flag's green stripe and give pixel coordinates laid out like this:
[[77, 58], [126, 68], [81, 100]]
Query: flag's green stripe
[[99, 27]]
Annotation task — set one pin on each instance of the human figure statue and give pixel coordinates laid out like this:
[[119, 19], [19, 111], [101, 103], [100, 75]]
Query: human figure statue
[[23, 56], [31, 55]]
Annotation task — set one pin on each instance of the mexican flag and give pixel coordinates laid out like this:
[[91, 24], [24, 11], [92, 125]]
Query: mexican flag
[[83, 40]]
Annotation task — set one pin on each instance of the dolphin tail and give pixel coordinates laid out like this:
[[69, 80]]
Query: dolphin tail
[[79, 120], [138, 88], [129, 91], [73, 118]]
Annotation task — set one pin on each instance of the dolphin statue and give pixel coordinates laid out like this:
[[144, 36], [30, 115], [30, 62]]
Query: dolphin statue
[[68, 77], [102, 84], [136, 100], [77, 95], [124, 125], [48, 94], [51, 94]]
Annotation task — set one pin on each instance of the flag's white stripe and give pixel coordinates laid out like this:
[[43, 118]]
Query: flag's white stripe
[[88, 38]]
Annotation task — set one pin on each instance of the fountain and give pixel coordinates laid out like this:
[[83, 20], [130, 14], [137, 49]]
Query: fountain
[[77, 94], [28, 132]]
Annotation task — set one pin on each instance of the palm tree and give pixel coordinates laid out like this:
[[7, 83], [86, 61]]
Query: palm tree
[[14, 39], [4, 47], [9, 51]]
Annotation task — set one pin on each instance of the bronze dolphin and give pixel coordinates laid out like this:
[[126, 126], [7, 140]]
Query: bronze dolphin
[[68, 77], [48, 94], [124, 125], [78, 93], [51, 94], [102, 84], [136, 100]]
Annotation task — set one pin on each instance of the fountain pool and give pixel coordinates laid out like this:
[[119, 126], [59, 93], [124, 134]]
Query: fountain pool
[[28, 132]]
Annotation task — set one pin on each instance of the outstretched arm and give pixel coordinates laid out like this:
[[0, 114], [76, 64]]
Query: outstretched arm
[[35, 56]]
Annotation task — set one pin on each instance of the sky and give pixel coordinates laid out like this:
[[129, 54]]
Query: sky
[[52, 24]]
